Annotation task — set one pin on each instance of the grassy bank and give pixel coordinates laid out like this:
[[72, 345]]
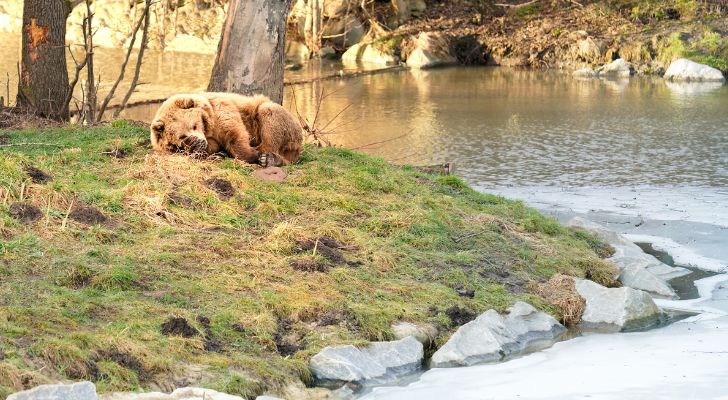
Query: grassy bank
[[136, 270]]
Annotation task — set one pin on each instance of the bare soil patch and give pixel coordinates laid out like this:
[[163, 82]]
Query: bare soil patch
[[36, 175], [87, 215], [324, 246], [178, 326], [222, 187], [459, 316], [25, 213]]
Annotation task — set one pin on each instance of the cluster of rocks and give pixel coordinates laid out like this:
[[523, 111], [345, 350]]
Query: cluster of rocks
[[638, 269], [682, 70]]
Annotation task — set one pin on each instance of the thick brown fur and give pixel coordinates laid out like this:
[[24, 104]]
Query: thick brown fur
[[253, 129]]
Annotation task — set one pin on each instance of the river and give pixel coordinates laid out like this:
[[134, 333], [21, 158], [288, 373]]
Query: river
[[645, 157]]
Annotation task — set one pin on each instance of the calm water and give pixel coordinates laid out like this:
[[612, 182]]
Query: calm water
[[504, 127], [499, 127]]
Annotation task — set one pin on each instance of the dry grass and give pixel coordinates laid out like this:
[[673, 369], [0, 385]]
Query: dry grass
[[560, 291]]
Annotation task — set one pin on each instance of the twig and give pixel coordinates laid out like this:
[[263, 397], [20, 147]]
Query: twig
[[528, 3], [140, 57], [30, 144], [380, 142], [122, 71]]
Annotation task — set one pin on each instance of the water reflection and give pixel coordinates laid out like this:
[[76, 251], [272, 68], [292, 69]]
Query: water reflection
[[499, 126]]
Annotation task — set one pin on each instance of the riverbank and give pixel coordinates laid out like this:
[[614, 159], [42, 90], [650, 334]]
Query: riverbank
[[140, 271]]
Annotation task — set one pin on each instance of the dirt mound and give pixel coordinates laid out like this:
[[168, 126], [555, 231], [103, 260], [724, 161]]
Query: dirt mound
[[116, 153], [128, 361], [560, 291], [87, 215], [309, 265], [25, 213], [178, 326], [324, 246], [180, 200], [36, 175], [222, 187], [271, 174], [459, 316]]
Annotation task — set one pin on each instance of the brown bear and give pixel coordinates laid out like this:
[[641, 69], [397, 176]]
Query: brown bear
[[253, 129]]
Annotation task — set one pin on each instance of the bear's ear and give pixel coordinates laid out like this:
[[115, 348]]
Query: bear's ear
[[158, 127], [186, 102]]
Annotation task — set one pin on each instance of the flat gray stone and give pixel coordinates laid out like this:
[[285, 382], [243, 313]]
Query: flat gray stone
[[638, 269], [73, 391], [380, 362], [492, 337], [187, 393], [616, 309]]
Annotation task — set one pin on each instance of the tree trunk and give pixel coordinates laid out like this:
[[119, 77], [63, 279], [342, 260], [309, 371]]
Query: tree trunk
[[43, 82], [312, 26], [252, 46]]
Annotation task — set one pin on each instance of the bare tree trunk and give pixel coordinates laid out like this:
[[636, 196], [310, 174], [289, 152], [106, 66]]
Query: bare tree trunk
[[312, 26], [43, 82], [252, 46], [88, 40]]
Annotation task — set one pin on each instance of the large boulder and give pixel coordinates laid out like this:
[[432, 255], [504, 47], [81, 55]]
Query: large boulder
[[686, 70], [618, 68], [638, 269], [616, 309], [368, 53], [432, 49], [188, 393], [492, 337], [380, 362], [73, 391]]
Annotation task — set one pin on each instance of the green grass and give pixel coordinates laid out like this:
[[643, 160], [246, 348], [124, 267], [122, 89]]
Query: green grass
[[707, 47], [88, 302]]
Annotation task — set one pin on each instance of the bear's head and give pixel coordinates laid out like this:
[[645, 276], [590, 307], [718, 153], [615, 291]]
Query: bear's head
[[181, 124]]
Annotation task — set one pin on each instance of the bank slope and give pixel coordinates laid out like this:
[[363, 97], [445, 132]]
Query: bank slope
[[135, 270]]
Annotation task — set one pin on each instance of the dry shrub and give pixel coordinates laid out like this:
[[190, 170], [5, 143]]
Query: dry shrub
[[560, 291], [14, 119]]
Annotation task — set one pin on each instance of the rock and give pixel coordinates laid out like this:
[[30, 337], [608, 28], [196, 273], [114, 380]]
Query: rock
[[637, 276], [327, 52], [368, 53], [188, 393], [380, 362], [73, 391], [344, 31], [686, 70], [268, 398], [492, 337], [617, 309], [432, 49], [638, 269], [424, 333], [297, 51], [618, 68], [584, 73]]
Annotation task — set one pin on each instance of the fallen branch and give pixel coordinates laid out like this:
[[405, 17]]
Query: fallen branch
[[29, 144], [528, 3]]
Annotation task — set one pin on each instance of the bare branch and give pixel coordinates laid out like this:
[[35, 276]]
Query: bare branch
[[112, 91], [528, 3], [140, 57]]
